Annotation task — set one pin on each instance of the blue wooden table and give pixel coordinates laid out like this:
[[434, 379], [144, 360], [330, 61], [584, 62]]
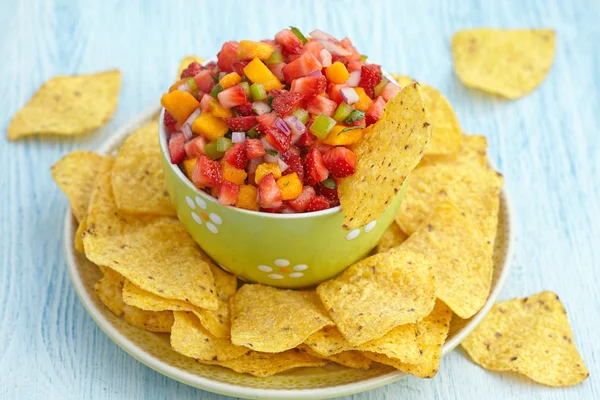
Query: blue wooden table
[[547, 145]]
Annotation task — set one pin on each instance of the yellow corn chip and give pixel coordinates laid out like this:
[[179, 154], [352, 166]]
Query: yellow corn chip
[[474, 149], [186, 61], [267, 364], [530, 336], [509, 63], [75, 174], [431, 335], [225, 283], [379, 293], [328, 341], [446, 134], [461, 261], [401, 343], [112, 275], [393, 237], [385, 157], [138, 179], [272, 320], [189, 338], [78, 240], [352, 359], [68, 105]]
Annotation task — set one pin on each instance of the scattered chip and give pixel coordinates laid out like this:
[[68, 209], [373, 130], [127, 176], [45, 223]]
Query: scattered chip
[[378, 293], [509, 62], [385, 156], [461, 263], [189, 338], [68, 105], [393, 237], [431, 335], [138, 179], [272, 320], [186, 61], [474, 149], [75, 174], [267, 364], [446, 134], [352, 359], [530, 336]]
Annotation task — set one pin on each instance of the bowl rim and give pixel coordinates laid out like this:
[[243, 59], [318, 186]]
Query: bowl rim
[[203, 383]]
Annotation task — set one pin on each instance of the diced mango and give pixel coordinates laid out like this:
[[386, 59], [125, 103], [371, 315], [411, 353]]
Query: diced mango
[[229, 80], [337, 73], [216, 109], [179, 104], [188, 167], [232, 174], [247, 50], [247, 198], [290, 186], [258, 72], [209, 126], [338, 138], [364, 101], [265, 169]]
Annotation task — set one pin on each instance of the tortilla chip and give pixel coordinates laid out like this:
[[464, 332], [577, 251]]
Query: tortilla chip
[[507, 62], [267, 364], [137, 178], [531, 336], [328, 341], [78, 239], [385, 157], [379, 293], [393, 237], [352, 359], [186, 61], [68, 105], [431, 335], [461, 262], [225, 283], [401, 343], [189, 338], [112, 275], [473, 150], [155, 253], [75, 174], [272, 320], [109, 292]]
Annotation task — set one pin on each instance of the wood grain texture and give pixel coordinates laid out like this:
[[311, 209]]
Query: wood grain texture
[[546, 144]]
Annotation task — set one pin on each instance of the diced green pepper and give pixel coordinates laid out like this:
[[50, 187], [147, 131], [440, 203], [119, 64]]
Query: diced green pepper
[[298, 34], [253, 132], [329, 183], [223, 144], [275, 58], [322, 126], [216, 90], [210, 149], [379, 87], [355, 116], [258, 92], [342, 112], [246, 87], [301, 114]]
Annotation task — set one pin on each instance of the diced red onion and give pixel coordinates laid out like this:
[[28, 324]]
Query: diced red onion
[[320, 35], [260, 107], [184, 87], [238, 137], [271, 159], [354, 79], [266, 145], [186, 129], [282, 165], [334, 48], [193, 117], [325, 58], [282, 126], [349, 95], [297, 127], [316, 72]]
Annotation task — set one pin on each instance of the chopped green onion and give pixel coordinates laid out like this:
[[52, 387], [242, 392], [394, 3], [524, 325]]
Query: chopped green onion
[[210, 149], [192, 84], [271, 152], [363, 58], [298, 34], [223, 144], [329, 183], [342, 112], [379, 87], [246, 87], [216, 90], [355, 116], [215, 77], [322, 126], [275, 58], [351, 128], [301, 114], [258, 92], [253, 132]]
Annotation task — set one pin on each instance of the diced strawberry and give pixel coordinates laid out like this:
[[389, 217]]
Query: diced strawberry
[[389, 91], [207, 173], [277, 70], [335, 92], [236, 156], [370, 76], [354, 65], [195, 148], [293, 151], [227, 56], [347, 44], [323, 148], [289, 41], [266, 120], [170, 122], [286, 102], [277, 138], [277, 210], [309, 85], [191, 70], [270, 42], [177, 148], [300, 203], [321, 105], [313, 47], [294, 163], [228, 193], [254, 148], [317, 203], [330, 194], [204, 81], [340, 161], [304, 65], [245, 110], [336, 58], [241, 124], [314, 168], [269, 195], [306, 139], [375, 111], [210, 67], [205, 102], [360, 122], [234, 96], [238, 67]]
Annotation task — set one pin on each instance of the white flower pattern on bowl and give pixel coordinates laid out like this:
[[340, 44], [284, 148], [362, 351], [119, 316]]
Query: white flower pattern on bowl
[[211, 221], [281, 268], [353, 234]]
